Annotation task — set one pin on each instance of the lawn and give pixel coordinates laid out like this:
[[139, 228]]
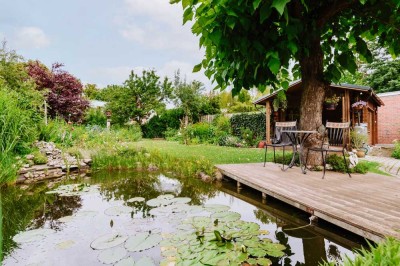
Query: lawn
[[215, 154]]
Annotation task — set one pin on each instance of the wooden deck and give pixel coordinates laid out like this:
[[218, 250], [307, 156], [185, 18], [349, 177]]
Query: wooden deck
[[367, 205]]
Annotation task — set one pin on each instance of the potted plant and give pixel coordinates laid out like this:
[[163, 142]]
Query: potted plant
[[358, 105], [280, 101], [358, 140], [331, 102]]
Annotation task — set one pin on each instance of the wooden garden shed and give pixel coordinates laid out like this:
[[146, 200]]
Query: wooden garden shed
[[346, 95]]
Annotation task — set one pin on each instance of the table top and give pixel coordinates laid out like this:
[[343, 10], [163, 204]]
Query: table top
[[300, 131]]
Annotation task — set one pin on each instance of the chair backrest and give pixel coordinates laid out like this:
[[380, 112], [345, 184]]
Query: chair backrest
[[337, 133], [280, 126]]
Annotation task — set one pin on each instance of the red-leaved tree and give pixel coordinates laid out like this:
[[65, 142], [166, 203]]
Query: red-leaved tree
[[64, 95]]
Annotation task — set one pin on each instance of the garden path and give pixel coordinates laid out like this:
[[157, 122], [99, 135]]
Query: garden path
[[389, 165]]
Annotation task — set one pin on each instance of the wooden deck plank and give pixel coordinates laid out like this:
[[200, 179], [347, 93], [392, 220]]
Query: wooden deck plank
[[368, 205]]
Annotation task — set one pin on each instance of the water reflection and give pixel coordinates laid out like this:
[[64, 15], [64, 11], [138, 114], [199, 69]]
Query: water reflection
[[32, 208]]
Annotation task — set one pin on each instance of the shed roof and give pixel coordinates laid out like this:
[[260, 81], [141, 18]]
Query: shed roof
[[296, 84]]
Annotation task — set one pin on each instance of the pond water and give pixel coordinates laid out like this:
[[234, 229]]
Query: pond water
[[153, 219]]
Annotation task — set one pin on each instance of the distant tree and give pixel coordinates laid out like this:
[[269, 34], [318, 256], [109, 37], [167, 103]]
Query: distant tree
[[384, 75], [91, 91], [188, 96], [138, 97], [210, 104], [64, 91]]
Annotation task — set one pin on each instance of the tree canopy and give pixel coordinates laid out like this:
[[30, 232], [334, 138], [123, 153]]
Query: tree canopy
[[137, 97], [252, 43]]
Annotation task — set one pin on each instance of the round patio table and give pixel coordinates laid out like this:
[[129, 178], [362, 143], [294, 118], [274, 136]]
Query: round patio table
[[298, 138]]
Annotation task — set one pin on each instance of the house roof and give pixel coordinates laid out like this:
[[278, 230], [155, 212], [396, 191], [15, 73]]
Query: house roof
[[262, 100]]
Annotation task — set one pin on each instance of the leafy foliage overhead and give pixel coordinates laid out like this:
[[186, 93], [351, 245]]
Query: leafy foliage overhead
[[251, 43]]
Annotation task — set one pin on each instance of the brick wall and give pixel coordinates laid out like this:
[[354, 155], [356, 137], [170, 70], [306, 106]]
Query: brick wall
[[389, 118]]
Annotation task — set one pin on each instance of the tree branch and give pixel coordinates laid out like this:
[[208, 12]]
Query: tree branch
[[329, 10]]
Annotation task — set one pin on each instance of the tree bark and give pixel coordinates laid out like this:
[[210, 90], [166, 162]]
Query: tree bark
[[313, 95]]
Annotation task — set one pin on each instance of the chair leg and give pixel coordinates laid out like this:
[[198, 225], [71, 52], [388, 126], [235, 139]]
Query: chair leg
[[324, 163], [308, 150], [265, 155], [347, 166]]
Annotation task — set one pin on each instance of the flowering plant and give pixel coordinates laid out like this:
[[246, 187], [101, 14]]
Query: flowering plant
[[333, 99], [358, 104]]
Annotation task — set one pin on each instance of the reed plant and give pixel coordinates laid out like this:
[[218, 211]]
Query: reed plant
[[384, 253]]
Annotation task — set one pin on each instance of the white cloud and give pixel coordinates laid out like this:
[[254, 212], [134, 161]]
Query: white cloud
[[30, 37], [158, 25]]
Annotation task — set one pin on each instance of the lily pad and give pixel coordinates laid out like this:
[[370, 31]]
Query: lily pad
[[145, 261], [142, 241], [118, 210], [66, 244], [226, 216], [136, 199], [216, 207], [32, 235], [166, 196], [108, 241], [180, 200], [112, 255], [126, 262]]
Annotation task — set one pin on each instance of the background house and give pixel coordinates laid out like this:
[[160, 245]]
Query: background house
[[389, 118]]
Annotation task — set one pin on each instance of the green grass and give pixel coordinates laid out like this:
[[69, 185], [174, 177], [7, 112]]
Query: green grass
[[215, 154], [373, 167]]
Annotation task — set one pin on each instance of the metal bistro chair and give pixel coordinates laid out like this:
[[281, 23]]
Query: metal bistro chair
[[337, 134], [280, 139]]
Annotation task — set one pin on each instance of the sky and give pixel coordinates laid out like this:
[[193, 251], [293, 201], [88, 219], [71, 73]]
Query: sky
[[101, 41]]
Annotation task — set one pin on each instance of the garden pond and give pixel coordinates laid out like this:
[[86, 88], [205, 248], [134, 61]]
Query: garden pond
[[142, 218]]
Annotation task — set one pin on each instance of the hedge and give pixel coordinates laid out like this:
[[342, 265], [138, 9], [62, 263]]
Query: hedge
[[253, 121]]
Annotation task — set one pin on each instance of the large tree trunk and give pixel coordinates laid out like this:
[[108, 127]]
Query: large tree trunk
[[313, 94]]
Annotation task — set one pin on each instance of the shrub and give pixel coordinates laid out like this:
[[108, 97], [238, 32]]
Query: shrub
[[337, 164], [228, 140], [358, 139], [39, 158], [95, 116], [248, 137], [204, 132], [154, 128], [252, 121], [222, 123], [172, 134], [17, 128], [396, 151]]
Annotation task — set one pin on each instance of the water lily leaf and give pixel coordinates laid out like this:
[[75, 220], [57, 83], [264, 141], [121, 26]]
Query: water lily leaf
[[136, 199], [32, 235], [142, 241], [66, 244], [112, 255], [166, 196], [257, 252], [118, 210], [126, 262], [251, 243], [214, 260], [181, 200], [216, 207], [145, 261], [208, 255], [226, 216], [108, 241], [157, 202]]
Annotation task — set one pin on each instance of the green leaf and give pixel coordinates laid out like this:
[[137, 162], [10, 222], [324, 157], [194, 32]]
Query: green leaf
[[274, 65], [285, 85], [187, 15], [113, 255], [142, 241], [280, 5], [292, 47], [265, 12], [256, 3]]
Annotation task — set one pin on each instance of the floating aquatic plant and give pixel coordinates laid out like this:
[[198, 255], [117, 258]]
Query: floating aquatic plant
[[112, 255], [108, 241], [142, 241]]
